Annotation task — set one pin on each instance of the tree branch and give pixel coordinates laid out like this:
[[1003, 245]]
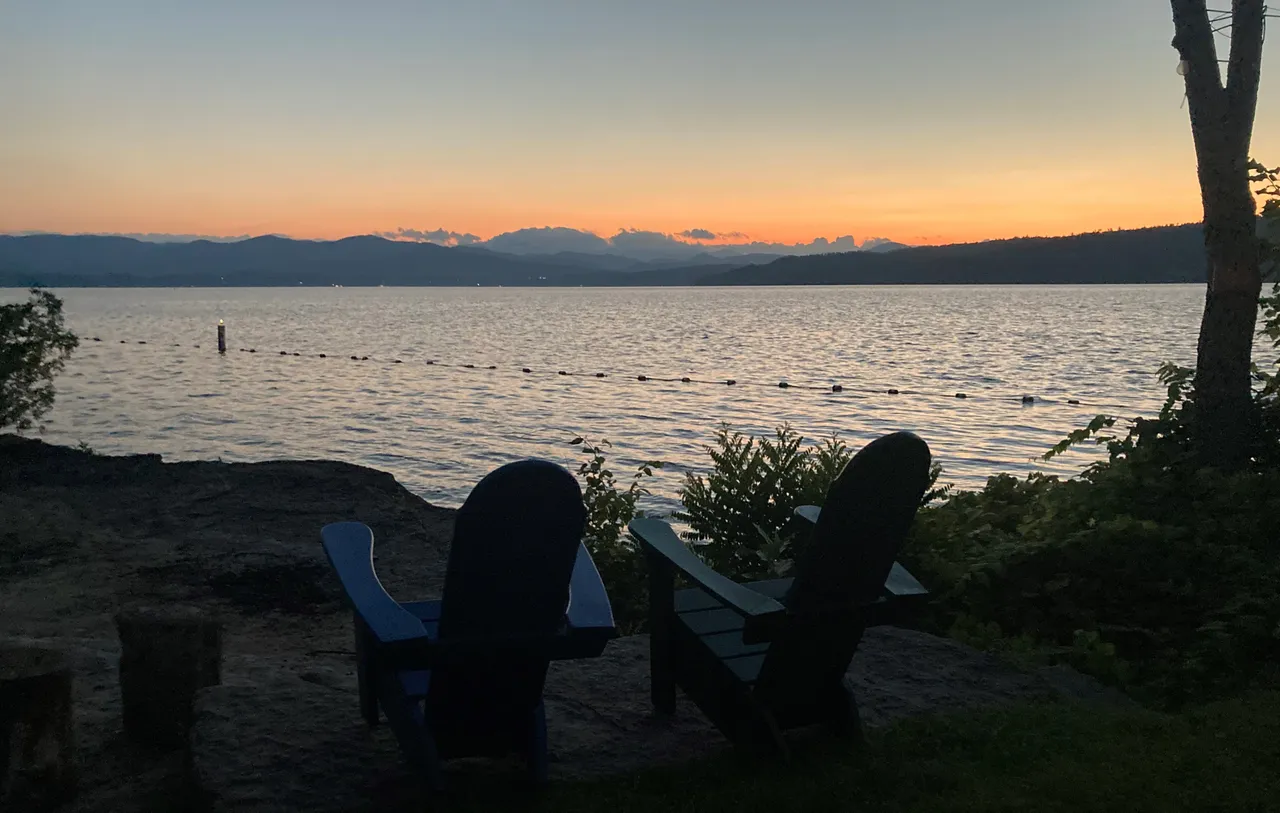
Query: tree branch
[[1206, 98], [1244, 70], [1193, 39]]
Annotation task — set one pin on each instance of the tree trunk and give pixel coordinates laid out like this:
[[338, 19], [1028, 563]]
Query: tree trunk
[[37, 744], [165, 658], [1224, 422]]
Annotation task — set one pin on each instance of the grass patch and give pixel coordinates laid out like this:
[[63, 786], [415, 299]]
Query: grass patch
[[1066, 757]]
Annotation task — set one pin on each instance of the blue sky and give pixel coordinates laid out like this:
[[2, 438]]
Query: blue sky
[[918, 120]]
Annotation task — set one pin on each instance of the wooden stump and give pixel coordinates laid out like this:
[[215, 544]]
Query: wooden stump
[[37, 745], [166, 655]]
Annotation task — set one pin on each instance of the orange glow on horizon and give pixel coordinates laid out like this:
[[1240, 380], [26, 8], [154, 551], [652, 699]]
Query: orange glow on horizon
[[980, 217]]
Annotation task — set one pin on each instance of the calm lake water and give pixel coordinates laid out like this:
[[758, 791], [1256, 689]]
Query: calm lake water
[[439, 427]]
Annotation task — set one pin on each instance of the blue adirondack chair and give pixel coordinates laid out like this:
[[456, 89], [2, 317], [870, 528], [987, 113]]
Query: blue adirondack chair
[[463, 676], [763, 657]]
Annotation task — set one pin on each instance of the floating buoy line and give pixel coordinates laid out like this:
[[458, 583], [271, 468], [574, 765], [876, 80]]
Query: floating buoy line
[[642, 378]]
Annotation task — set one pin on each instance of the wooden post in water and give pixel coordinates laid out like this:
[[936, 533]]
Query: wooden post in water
[[222, 337]]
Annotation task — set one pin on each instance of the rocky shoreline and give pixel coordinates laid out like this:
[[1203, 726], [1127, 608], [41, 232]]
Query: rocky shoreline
[[84, 536]]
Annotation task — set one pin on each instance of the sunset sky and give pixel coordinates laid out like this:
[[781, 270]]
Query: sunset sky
[[922, 121]]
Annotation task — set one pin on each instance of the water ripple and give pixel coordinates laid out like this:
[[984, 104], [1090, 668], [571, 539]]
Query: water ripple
[[440, 427]]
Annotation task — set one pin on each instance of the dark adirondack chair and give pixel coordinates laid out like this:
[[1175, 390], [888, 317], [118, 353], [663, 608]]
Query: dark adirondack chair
[[463, 676], [767, 656]]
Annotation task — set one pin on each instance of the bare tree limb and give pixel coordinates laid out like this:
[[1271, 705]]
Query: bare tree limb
[[1244, 70]]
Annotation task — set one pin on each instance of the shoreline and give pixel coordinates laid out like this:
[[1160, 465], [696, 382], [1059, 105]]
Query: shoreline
[[84, 536]]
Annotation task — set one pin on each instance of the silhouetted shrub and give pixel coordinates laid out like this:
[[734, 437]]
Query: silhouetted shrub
[[34, 347]]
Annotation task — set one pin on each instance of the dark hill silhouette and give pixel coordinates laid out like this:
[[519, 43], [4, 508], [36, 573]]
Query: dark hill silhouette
[[1160, 254], [1164, 254], [84, 260]]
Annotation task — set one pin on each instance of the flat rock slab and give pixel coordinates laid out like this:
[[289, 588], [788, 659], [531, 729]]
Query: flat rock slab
[[275, 740]]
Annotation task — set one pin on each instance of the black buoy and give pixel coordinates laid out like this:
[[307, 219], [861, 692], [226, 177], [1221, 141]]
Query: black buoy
[[493, 366], [1028, 399], [892, 392], [685, 380], [783, 385], [1072, 401], [642, 378], [324, 356], [731, 382], [599, 375], [562, 372], [283, 353], [525, 370], [141, 342], [431, 361], [122, 341], [364, 358], [837, 388], [355, 358], [297, 354], [222, 337], [96, 339], [961, 395], [253, 349], [469, 366], [397, 361]]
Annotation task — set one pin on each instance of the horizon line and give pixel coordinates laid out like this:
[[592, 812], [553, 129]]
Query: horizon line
[[233, 239]]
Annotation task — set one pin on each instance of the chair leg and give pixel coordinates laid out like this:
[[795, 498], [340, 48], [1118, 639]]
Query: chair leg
[[366, 677], [662, 680], [539, 759], [408, 721], [760, 736], [846, 722], [367, 683]]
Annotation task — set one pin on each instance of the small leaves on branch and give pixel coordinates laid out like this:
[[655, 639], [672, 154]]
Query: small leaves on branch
[[34, 347]]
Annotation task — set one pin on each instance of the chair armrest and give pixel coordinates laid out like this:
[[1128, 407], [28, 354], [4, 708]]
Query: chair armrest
[[349, 546], [658, 539], [588, 601], [809, 513], [901, 584]]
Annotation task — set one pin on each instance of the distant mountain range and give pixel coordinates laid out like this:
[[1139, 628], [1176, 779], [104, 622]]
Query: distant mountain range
[[636, 244], [1154, 255]]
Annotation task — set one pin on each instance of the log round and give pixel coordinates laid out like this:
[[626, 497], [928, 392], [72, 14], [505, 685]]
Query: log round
[[37, 742], [166, 655]]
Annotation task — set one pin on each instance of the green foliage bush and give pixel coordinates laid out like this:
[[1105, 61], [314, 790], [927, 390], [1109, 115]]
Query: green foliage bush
[[740, 515], [610, 506], [1179, 573], [34, 347]]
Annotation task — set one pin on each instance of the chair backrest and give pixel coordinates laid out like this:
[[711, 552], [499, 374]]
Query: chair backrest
[[514, 545], [865, 520]]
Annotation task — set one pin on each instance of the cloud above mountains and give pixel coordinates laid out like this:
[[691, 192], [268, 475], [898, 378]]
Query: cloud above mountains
[[698, 234], [441, 237], [637, 244]]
